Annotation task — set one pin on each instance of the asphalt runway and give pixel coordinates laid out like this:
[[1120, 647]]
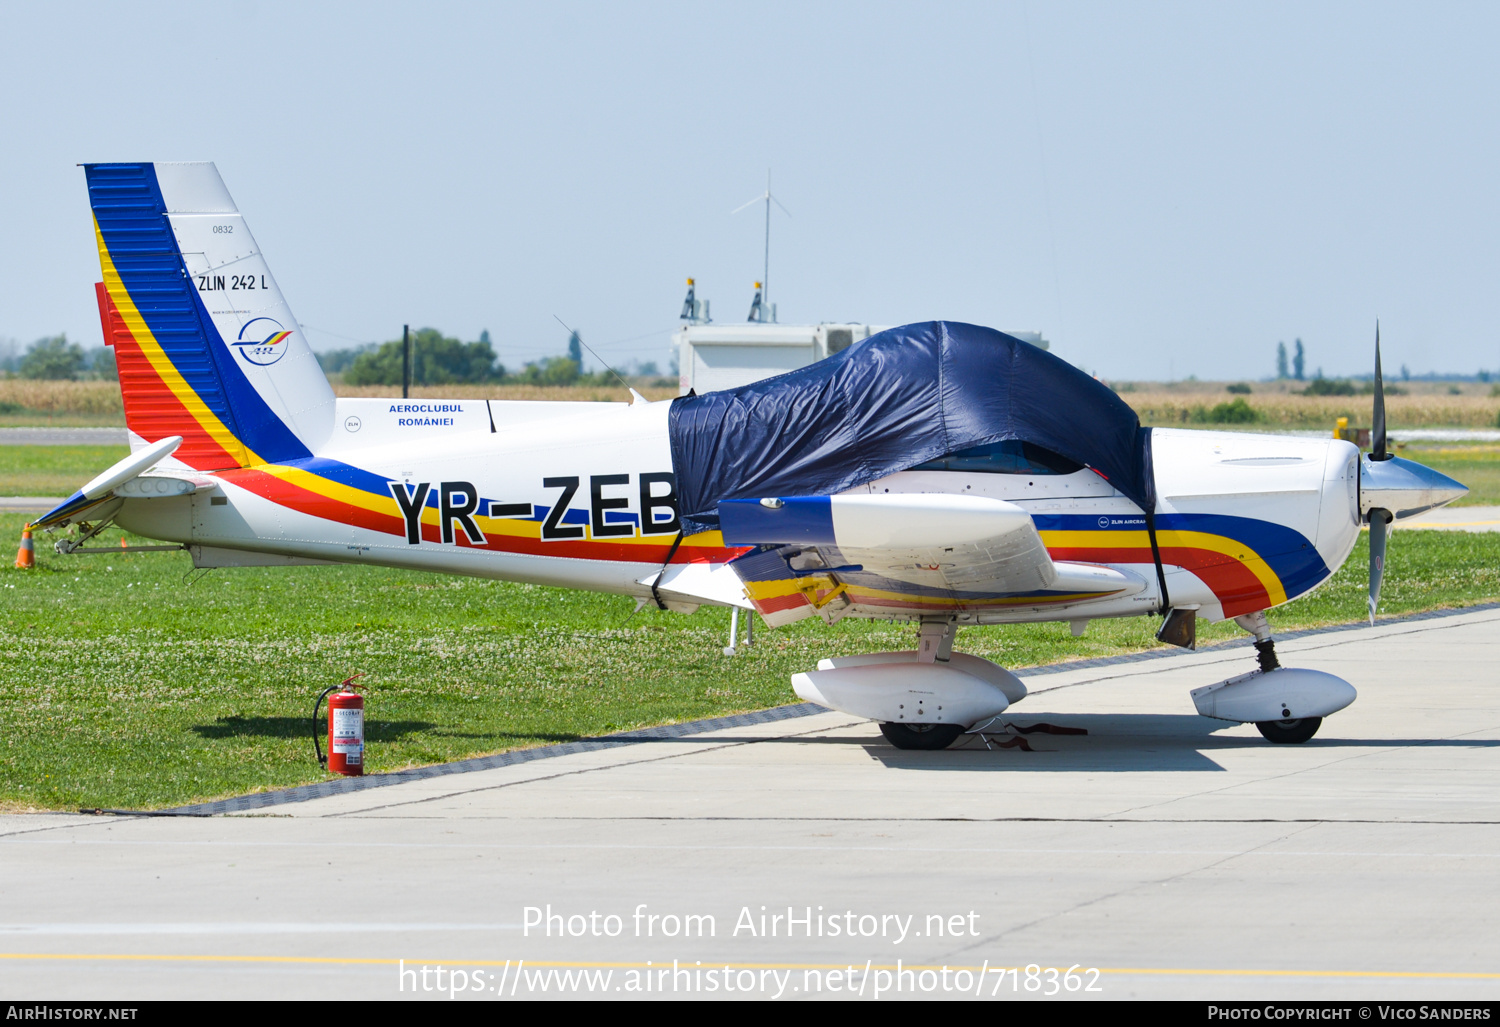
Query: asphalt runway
[[29, 504], [63, 436], [1179, 857], [1455, 518]]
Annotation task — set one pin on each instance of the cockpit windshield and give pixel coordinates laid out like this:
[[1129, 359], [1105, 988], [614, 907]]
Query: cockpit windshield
[[1011, 456]]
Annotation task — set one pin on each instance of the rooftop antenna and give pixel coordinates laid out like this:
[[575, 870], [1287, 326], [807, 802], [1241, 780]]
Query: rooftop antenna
[[766, 197], [694, 310]]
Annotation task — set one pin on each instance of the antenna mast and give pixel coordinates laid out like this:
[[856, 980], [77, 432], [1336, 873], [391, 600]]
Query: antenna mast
[[765, 278]]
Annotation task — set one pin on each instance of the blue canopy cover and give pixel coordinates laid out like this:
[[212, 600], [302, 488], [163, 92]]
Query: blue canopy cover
[[898, 399]]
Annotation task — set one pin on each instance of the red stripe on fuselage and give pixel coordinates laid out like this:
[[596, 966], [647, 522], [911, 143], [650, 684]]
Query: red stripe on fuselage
[[1233, 584], [295, 497]]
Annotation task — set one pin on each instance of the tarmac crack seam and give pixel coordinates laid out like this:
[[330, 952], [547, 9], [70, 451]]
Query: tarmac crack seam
[[1225, 655], [1106, 819], [919, 850], [1240, 642], [589, 770], [1374, 751], [1137, 886], [77, 822]]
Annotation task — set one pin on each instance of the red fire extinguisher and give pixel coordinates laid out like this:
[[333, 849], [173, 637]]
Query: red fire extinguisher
[[346, 729]]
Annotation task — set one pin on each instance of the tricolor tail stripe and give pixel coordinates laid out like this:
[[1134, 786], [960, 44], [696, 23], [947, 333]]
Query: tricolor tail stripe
[[159, 402], [177, 376]]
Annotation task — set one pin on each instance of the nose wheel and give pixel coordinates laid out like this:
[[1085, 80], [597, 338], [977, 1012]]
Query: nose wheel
[[1289, 732], [921, 736]]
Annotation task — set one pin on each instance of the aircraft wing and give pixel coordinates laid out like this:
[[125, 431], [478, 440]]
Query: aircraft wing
[[927, 553], [956, 543]]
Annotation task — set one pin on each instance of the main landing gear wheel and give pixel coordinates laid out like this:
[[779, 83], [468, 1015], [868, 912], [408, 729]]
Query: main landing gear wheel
[[1289, 732], [921, 736]]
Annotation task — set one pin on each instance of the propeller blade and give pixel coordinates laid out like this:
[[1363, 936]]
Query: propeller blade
[[1379, 526], [1377, 423]]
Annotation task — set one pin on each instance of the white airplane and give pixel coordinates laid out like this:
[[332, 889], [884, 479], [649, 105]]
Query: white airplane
[[939, 474]]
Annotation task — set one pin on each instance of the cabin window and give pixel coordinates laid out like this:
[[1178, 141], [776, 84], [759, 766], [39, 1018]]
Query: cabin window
[[1009, 457]]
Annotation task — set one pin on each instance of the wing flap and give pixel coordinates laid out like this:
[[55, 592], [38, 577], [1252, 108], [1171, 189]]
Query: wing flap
[[692, 583]]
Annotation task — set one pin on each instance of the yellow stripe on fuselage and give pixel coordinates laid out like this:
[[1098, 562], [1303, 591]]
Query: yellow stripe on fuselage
[[1173, 539], [334, 490]]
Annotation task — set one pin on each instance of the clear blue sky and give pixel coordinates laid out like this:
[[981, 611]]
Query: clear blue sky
[[1162, 189]]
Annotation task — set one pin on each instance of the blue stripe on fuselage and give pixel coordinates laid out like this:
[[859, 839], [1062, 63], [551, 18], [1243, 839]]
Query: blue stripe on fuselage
[[1291, 555]]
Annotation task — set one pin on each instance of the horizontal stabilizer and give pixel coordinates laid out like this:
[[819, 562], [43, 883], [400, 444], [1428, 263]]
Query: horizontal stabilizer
[[104, 485], [164, 485]]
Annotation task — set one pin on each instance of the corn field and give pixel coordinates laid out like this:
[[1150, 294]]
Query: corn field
[[46, 399], [1290, 411], [60, 398]]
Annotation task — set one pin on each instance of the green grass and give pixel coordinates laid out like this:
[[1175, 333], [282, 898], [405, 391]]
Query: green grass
[[127, 681], [53, 470], [1476, 465]]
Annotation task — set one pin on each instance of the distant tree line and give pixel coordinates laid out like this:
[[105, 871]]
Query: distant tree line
[[54, 358], [438, 359], [435, 360], [1356, 385], [1299, 361]]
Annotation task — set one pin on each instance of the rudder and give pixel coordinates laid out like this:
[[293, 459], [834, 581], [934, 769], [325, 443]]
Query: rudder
[[205, 344]]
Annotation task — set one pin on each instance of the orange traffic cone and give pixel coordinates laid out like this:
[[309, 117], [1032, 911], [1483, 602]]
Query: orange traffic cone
[[122, 543], [26, 555]]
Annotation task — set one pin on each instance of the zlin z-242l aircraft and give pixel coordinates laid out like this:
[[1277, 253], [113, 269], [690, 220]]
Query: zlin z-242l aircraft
[[940, 474]]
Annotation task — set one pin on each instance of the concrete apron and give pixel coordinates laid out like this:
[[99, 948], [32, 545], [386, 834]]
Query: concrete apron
[[1179, 856]]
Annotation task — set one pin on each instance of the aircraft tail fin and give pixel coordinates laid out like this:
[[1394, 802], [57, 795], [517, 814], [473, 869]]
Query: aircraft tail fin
[[205, 344]]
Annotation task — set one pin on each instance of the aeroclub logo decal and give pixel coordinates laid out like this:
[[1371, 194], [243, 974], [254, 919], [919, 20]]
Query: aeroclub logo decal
[[262, 341]]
